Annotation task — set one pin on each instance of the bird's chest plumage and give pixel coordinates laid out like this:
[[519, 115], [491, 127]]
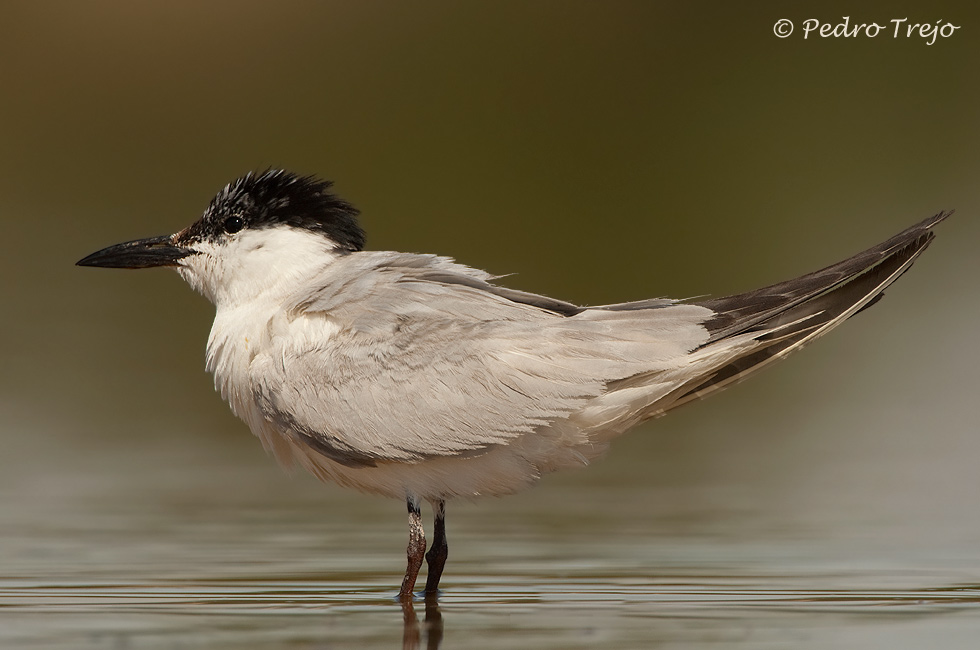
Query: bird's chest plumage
[[249, 353], [238, 336]]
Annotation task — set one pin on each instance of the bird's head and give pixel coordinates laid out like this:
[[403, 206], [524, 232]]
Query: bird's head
[[260, 232]]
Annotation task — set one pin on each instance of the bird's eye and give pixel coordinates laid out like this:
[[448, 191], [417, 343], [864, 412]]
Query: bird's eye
[[233, 224]]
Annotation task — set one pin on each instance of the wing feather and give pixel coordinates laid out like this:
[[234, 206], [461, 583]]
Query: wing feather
[[423, 360], [391, 357]]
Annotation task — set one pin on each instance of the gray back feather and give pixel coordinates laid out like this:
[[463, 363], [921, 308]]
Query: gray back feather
[[429, 359]]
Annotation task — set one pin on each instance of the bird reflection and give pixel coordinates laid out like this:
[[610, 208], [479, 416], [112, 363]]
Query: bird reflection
[[412, 635]]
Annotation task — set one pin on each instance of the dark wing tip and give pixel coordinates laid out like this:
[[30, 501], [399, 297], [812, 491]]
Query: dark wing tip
[[786, 316], [741, 311], [913, 233]]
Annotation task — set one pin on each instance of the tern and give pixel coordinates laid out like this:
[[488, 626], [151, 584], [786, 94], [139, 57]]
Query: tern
[[415, 377]]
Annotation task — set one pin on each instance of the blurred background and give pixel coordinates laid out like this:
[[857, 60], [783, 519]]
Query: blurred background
[[599, 152]]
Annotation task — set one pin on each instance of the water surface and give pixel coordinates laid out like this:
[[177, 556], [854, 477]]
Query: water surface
[[206, 546]]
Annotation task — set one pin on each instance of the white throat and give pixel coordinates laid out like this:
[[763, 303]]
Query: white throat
[[250, 277], [256, 266]]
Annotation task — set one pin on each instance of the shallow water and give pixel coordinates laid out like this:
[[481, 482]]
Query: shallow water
[[607, 611], [204, 546]]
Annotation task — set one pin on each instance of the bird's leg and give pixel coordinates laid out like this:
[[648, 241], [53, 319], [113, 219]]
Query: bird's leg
[[436, 557], [416, 547]]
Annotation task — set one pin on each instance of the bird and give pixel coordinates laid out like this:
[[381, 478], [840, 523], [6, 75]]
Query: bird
[[415, 377]]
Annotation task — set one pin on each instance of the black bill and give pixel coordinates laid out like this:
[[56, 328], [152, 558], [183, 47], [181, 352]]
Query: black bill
[[139, 254]]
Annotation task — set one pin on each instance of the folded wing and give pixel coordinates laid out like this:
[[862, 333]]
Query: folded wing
[[412, 357], [401, 358]]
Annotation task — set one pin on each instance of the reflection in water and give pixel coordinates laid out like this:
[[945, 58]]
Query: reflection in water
[[412, 636], [611, 612], [169, 548]]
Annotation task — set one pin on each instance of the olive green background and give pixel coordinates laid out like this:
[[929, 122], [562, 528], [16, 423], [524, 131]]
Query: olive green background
[[597, 151]]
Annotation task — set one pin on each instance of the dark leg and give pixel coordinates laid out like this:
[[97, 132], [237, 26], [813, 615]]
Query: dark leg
[[416, 548], [436, 557]]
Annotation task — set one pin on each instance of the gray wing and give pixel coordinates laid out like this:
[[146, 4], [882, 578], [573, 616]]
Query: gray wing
[[426, 358]]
